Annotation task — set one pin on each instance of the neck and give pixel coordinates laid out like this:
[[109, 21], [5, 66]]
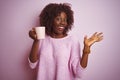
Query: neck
[[58, 35]]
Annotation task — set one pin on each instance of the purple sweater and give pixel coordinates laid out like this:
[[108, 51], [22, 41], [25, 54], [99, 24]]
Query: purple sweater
[[59, 59]]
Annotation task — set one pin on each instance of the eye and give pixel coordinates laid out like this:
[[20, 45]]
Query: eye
[[58, 19], [65, 20]]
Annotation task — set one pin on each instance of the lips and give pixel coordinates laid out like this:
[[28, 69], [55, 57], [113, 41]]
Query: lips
[[61, 28]]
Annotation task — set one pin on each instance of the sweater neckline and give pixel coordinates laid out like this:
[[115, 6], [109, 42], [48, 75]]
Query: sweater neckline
[[58, 38]]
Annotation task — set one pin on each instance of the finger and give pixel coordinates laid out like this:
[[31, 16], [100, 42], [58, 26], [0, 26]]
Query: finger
[[32, 34], [33, 29], [101, 38], [85, 37], [99, 34], [35, 36], [94, 34]]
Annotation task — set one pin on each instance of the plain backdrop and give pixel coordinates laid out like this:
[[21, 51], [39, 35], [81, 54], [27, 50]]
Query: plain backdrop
[[17, 17]]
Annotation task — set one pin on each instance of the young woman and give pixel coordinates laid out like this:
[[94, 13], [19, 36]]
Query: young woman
[[58, 56]]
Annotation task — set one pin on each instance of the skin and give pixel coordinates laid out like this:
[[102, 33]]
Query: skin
[[88, 42], [61, 21]]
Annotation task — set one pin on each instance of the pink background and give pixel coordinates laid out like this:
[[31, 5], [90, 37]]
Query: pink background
[[17, 17]]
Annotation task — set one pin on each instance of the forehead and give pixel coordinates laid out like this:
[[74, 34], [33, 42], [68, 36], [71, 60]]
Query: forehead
[[62, 14]]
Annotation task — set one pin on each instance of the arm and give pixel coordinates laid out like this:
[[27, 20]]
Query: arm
[[35, 47], [96, 37], [34, 51]]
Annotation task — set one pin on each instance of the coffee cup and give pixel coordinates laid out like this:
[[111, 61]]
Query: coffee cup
[[40, 32]]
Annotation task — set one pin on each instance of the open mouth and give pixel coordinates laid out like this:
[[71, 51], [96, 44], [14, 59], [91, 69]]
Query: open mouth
[[61, 28]]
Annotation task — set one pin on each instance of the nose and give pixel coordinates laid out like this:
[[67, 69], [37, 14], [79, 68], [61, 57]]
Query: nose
[[63, 22]]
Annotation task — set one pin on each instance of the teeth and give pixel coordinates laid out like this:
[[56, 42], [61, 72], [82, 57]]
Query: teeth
[[61, 27]]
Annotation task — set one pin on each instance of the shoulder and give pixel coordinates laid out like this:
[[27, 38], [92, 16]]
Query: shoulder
[[74, 39]]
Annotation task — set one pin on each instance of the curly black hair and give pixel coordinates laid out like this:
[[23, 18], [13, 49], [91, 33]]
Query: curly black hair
[[51, 11]]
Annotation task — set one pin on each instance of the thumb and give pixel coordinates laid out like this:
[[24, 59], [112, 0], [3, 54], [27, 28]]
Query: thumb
[[85, 37]]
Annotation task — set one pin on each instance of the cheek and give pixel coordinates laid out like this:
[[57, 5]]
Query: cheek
[[66, 24], [56, 24]]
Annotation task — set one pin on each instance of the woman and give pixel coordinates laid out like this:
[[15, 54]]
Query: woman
[[58, 56]]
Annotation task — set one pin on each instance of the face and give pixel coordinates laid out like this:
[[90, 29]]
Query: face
[[60, 23]]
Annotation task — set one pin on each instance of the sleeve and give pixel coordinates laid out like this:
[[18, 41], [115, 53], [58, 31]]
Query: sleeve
[[77, 69], [75, 60], [32, 65]]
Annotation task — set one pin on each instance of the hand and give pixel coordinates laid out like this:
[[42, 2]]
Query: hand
[[96, 37], [32, 34]]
